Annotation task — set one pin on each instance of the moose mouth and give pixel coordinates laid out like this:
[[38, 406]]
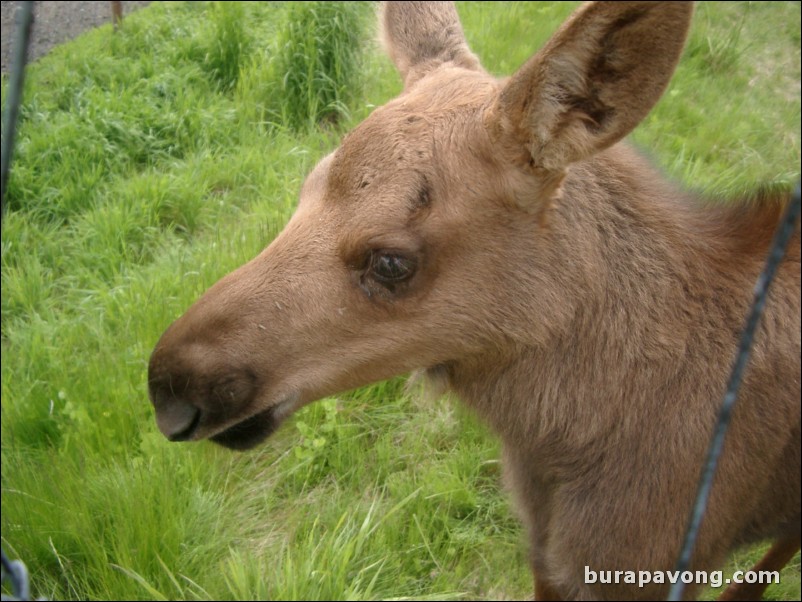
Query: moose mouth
[[243, 435], [255, 429], [250, 432]]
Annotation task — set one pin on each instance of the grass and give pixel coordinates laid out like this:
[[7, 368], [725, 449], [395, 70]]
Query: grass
[[315, 65], [153, 161]]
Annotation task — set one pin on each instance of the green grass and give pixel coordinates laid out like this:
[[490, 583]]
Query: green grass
[[153, 161], [313, 74]]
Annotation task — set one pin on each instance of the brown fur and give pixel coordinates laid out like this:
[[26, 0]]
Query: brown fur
[[499, 236]]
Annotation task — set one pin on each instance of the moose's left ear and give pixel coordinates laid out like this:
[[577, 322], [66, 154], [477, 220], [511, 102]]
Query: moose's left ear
[[422, 36], [593, 82]]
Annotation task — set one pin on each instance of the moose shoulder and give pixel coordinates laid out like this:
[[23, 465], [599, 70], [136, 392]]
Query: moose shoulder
[[498, 235]]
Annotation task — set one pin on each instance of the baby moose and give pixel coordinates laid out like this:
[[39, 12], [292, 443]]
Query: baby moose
[[498, 235]]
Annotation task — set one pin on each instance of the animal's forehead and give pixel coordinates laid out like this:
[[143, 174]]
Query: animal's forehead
[[389, 140], [382, 165], [407, 133]]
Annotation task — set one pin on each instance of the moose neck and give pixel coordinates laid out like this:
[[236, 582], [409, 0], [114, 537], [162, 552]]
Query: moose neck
[[630, 262]]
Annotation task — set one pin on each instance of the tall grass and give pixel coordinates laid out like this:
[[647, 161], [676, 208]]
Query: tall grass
[[153, 161], [309, 75], [230, 43]]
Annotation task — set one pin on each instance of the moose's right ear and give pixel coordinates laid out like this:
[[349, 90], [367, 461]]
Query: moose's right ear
[[592, 83], [422, 36]]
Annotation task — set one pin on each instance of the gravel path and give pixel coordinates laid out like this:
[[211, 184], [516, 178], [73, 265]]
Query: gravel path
[[54, 23]]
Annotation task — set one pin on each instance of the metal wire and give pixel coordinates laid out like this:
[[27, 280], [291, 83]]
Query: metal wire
[[781, 238], [24, 18], [14, 571], [16, 574]]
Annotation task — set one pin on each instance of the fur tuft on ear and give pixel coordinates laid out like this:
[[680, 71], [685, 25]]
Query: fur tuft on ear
[[593, 82], [420, 37]]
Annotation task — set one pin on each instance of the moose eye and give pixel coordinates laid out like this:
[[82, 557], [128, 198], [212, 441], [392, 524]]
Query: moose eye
[[391, 268]]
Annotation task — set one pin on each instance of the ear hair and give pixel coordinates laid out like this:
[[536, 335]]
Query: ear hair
[[593, 82], [420, 37]]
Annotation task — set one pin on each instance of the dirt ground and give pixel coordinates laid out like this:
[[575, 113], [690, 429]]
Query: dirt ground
[[54, 23]]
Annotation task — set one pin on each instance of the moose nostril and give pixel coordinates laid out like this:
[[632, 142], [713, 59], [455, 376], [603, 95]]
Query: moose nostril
[[178, 420]]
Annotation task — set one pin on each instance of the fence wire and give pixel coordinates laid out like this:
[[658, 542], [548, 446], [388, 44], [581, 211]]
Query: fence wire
[[22, 33], [15, 573], [781, 238]]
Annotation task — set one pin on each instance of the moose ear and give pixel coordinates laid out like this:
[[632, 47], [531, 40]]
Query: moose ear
[[422, 36], [592, 82]]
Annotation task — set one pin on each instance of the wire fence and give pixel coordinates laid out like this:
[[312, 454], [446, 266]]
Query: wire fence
[[781, 239], [22, 40], [15, 573]]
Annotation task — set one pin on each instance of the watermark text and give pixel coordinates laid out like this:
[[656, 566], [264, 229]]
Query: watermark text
[[711, 578]]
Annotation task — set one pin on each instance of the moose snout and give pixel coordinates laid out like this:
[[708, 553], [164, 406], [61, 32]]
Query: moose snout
[[176, 417], [178, 421], [197, 392]]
